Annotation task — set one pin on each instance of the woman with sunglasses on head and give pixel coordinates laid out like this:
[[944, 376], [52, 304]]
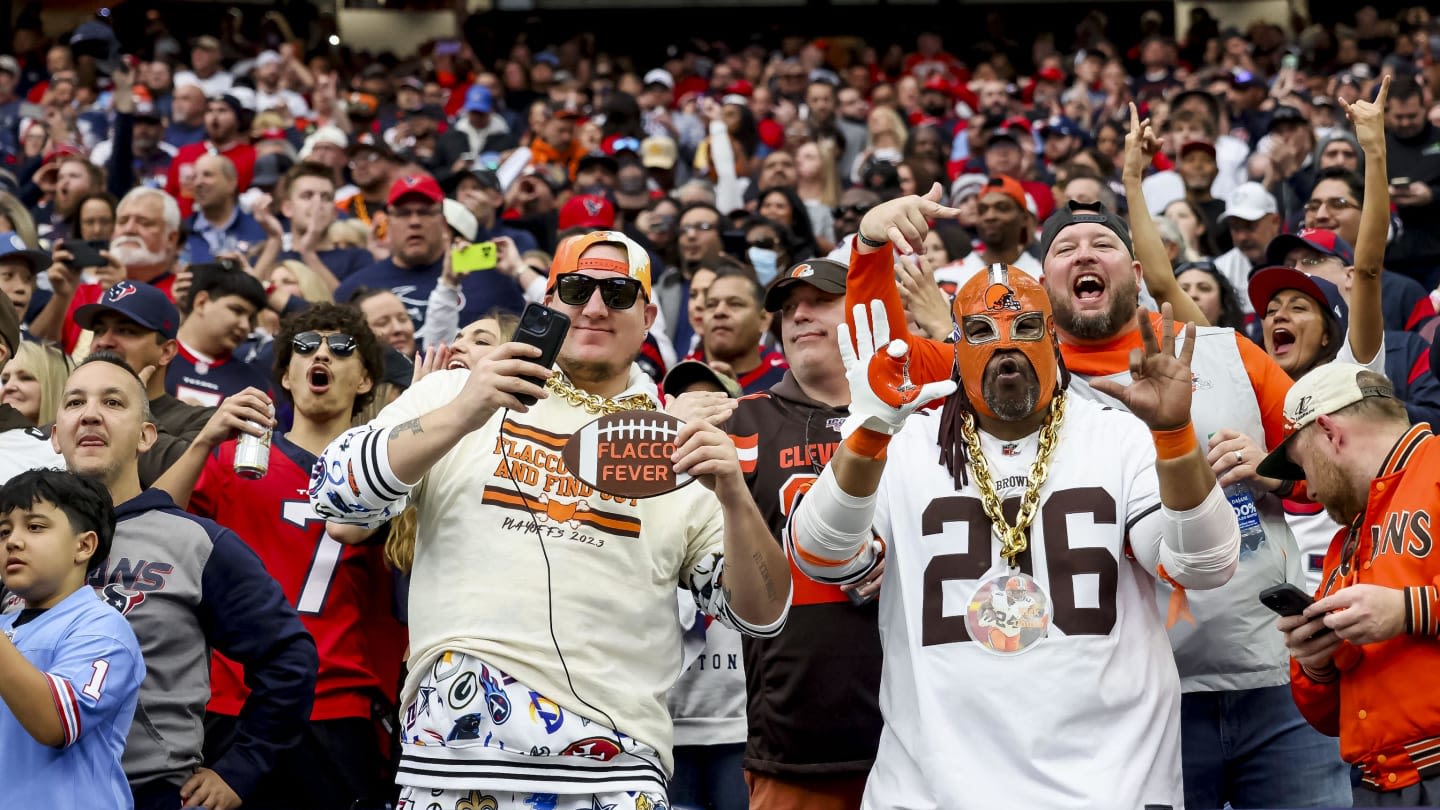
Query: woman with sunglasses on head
[[327, 363], [478, 453]]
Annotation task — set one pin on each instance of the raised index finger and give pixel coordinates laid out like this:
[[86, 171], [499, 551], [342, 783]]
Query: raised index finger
[[1384, 92]]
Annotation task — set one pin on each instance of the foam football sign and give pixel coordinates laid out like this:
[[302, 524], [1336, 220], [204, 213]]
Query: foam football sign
[[627, 454]]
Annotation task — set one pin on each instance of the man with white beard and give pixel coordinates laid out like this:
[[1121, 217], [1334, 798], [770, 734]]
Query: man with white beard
[[143, 249]]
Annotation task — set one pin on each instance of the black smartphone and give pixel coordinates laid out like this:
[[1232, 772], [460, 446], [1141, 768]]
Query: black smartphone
[[1287, 600], [545, 329], [86, 253]]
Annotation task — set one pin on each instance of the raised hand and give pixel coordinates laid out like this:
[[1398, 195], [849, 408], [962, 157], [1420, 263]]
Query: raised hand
[[434, 358], [1141, 144], [881, 401], [926, 305], [904, 222], [1369, 117], [1160, 388]]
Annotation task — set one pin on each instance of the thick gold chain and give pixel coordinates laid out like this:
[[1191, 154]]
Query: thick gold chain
[[594, 403], [1013, 539]]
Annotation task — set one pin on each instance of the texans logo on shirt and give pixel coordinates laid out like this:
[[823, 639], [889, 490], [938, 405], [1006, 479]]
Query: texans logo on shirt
[[121, 599]]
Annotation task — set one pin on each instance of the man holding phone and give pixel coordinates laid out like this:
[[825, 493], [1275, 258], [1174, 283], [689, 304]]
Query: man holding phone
[[1351, 439], [419, 242], [578, 621]]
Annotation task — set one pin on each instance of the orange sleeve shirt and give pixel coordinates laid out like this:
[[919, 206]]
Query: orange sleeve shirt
[[872, 276], [1382, 705]]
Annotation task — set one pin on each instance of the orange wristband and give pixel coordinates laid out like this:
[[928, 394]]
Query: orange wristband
[[1172, 444], [868, 443]]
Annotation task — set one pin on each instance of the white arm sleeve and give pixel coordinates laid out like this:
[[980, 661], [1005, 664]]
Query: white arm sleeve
[[728, 194], [442, 316], [352, 481], [1199, 548], [535, 292], [829, 535]]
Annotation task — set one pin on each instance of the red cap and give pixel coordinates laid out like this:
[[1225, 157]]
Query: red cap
[[587, 211], [1019, 122], [422, 184], [1050, 74], [938, 83], [1197, 146], [271, 134], [740, 87], [771, 133]]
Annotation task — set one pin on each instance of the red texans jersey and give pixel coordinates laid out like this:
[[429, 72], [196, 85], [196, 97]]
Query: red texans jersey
[[344, 594]]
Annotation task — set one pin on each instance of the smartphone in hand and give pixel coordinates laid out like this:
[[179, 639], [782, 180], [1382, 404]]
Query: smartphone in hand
[[545, 329], [1287, 600]]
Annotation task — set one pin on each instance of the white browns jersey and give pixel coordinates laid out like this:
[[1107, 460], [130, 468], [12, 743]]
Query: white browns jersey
[[1089, 717]]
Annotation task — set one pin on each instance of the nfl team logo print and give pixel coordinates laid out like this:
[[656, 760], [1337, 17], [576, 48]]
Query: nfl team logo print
[[1001, 297], [802, 271], [120, 292]]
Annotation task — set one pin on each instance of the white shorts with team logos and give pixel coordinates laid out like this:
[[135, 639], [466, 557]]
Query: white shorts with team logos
[[474, 732], [412, 798]]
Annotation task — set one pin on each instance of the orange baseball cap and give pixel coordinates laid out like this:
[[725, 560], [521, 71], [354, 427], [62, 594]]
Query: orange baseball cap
[[568, 258], [1007, 185]]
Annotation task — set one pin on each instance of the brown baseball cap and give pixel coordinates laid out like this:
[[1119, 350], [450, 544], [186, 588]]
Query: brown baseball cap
[[826, 275]]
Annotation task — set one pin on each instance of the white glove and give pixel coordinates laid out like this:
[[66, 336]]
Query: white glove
[[868, 409]]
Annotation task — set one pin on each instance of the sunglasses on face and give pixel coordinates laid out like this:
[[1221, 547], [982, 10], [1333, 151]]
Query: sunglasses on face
[[849, 210], [576, 289], [307, 343], [700, 227], [764, 243]]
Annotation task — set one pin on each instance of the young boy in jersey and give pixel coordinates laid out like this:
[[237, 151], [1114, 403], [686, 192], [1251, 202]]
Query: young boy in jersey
[[70, 667], [223, 303], [327, 362]]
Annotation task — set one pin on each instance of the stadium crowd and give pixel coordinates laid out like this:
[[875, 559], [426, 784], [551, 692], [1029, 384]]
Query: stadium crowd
[[1162, 310]]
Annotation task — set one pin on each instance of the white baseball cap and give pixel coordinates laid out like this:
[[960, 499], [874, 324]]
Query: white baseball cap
[[659, 76], [1323, 391], [460, 219], [330, 134], [1250, 202]]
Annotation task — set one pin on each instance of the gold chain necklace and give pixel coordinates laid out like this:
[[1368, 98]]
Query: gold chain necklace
[[1013, 540], [594, 403]]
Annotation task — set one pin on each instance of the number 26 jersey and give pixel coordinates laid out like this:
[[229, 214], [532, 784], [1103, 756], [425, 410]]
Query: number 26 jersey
[[1087, 717]]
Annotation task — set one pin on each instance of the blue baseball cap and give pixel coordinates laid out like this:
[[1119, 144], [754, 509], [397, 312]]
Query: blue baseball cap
[[1060, 125], [478, 99], [13, 247], [140, 302]]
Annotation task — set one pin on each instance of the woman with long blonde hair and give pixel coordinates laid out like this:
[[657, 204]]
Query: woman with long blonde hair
[[33, 381]]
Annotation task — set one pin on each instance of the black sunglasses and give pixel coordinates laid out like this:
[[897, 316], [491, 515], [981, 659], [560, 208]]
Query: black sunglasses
[[765, 243], [855, 210], [576, 289], [307, 343]]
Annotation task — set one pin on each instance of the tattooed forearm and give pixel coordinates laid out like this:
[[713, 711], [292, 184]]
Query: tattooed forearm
[[412, 425], [764, 571]]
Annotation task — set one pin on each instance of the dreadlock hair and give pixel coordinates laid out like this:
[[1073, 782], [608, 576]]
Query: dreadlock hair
[[952, 438]]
